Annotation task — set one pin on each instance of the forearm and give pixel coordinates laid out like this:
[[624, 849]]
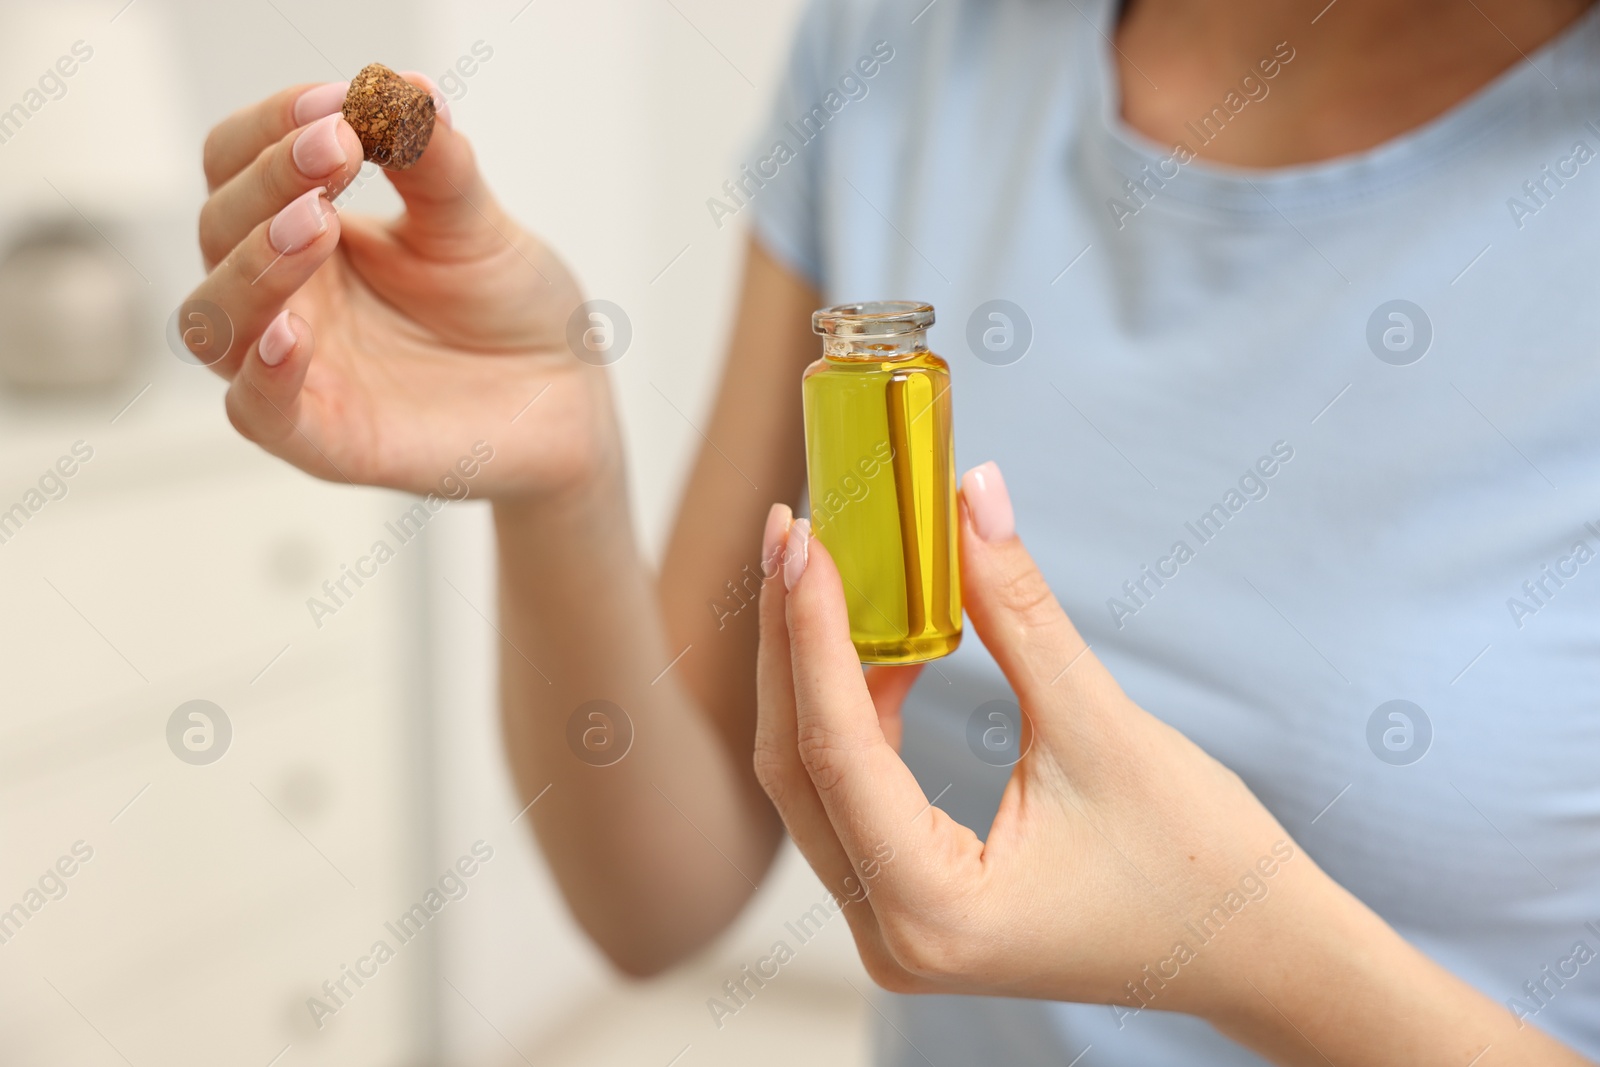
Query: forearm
[[1334, 983], [656, 851]]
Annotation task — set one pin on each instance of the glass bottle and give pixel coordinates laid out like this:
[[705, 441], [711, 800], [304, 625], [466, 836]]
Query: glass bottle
[[880, 464]]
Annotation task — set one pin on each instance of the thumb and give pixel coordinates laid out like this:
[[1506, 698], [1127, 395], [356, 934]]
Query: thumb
[[450, 211], [1012, 607]]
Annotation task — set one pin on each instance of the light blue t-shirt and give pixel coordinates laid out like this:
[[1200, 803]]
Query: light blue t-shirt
[[1289, 445]]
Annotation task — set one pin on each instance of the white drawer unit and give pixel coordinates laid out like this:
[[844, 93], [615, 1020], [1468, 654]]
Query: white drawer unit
[[206, 901]]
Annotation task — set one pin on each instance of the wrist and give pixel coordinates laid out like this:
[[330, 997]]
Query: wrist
[[1243, 922], [596, 490], [1314, 937], [578, 519], [1329, 979]]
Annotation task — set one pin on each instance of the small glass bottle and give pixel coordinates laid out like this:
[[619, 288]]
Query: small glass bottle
[[880, 464]]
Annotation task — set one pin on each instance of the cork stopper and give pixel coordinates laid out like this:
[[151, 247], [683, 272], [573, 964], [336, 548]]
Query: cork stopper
[[393, 118]]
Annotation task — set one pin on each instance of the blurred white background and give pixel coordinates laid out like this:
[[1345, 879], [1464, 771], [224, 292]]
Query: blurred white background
[[175, 563]]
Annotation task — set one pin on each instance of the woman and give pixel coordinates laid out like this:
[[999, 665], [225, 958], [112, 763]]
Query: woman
[[1229, 236]]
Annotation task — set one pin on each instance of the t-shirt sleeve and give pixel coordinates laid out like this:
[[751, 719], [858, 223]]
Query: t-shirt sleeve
[[785, 207]]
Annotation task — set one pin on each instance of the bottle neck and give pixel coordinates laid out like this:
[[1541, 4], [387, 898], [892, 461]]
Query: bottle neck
[[866, 349]]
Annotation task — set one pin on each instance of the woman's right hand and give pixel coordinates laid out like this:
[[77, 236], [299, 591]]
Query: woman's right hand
[[381, 351]]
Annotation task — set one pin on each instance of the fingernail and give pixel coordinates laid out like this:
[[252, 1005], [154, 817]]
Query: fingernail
[[794, 561], [440, 104], [988, 503], [277, 340], [317, 150], [316, 103], [772, 540], [299, 223]]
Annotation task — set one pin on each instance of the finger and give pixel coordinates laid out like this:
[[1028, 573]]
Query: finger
[[264, 398], [325, 153], [777, 757], [1014, 611], [888, 686], [234, 143], [870, 795], [268, 266]]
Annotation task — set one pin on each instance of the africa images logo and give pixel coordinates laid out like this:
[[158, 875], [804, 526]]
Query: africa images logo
[[852, 86]]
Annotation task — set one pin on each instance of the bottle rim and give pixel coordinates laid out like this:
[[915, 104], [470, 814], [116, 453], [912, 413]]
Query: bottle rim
[[873, 318]]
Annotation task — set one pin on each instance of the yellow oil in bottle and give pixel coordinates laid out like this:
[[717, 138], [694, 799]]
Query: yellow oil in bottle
[[880, 462]]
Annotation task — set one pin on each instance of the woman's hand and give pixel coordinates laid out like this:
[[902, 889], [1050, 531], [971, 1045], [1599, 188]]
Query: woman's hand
[[1116, 836], [383, 351], [1125, 866]]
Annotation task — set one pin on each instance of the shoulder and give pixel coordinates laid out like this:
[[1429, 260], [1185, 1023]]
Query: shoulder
[[833, 34]]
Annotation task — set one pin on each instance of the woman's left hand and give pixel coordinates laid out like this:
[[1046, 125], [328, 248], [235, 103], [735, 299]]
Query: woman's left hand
[[1125, 866]]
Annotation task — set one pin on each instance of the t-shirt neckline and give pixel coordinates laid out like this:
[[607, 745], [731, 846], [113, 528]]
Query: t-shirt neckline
[[1239, 193]]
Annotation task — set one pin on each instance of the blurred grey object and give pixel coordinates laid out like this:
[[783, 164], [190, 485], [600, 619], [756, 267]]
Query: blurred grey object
[[70, 310]]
